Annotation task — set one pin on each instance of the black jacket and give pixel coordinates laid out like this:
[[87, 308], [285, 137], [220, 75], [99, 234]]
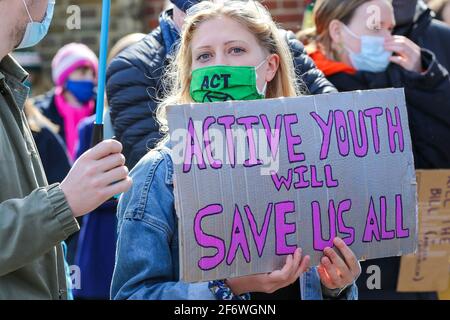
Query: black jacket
[[47, 105], [53, 155], [134, 86], [428, 105], [428, 33]]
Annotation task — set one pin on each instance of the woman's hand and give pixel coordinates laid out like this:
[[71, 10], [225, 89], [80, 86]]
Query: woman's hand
[[271, 282], [335, 272], [408, 53]]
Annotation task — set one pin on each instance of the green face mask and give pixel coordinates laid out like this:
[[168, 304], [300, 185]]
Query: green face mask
[[223, 83]]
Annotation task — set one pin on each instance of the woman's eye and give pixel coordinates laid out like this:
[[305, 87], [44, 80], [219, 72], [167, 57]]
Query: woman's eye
[[203, 57], [237, 50]]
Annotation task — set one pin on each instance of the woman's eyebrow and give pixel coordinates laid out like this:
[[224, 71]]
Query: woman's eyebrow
[[226, 43], [202, 47], [231, 41]]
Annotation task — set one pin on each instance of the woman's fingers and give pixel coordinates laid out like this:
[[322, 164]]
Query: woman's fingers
[[349, 256], [304, 265], [408, 54], [296, 262], [402, 62], [293, 268], [300, 265], [335, 259], [278, 279], [332, 272], [290, 272], [342, 270], [402, 48], [325, 278], [398, 49], [402, 44], [283, 274], [337, 271]]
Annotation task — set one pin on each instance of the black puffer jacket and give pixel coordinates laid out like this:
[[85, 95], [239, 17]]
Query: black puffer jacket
[[134, 86], [428, 33]]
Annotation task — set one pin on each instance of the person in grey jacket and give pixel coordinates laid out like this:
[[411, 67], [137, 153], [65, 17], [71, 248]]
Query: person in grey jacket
[[35, 217]]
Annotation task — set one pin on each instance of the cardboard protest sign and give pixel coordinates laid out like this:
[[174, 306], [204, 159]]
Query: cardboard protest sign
[[445, 295], [429, 273], [428, 269], [254, 180]]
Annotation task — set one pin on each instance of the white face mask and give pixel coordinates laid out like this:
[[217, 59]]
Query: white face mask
[[36, 31]]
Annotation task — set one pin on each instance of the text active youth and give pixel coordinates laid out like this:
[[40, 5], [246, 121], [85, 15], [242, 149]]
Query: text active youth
[[350, 133]]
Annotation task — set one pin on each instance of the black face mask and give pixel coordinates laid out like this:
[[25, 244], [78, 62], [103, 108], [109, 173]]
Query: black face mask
[[404, 11]]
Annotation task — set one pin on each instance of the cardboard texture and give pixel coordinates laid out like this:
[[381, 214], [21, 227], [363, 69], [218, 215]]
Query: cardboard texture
[[428, 269], [298, 172]]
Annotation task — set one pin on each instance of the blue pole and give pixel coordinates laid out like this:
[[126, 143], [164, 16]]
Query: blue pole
[[98, 125]]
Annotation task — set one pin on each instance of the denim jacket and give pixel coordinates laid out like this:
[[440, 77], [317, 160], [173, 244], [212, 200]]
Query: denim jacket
[[147, 257]]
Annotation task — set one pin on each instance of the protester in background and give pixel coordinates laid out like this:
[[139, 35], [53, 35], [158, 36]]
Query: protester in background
[[355, 55], [232, 34], [134, 84], [49, 144], [442, 10], [74, 73], [52, 149], [36, 217], [96, 244], [414, 20]]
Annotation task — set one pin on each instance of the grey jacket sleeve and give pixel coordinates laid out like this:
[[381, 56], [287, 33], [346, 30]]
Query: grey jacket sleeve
[[32, 226]]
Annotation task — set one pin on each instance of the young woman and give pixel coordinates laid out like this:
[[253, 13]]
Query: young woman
[[356, 50], [74, 72], [234, 36], [50, 146]]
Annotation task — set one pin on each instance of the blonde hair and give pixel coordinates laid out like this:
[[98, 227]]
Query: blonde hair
[[124, 43], [258, 21], [36, 120], [438, 7]]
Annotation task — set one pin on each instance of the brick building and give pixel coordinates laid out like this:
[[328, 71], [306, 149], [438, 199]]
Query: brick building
[[128, 16]]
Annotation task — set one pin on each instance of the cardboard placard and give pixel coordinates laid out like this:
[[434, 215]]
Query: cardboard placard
[[428, 269], [254, 180]]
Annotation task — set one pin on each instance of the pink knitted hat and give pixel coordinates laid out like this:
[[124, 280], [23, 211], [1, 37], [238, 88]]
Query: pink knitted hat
[[71, 57]]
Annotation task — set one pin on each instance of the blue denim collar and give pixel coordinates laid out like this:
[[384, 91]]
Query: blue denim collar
[[167, 154]]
